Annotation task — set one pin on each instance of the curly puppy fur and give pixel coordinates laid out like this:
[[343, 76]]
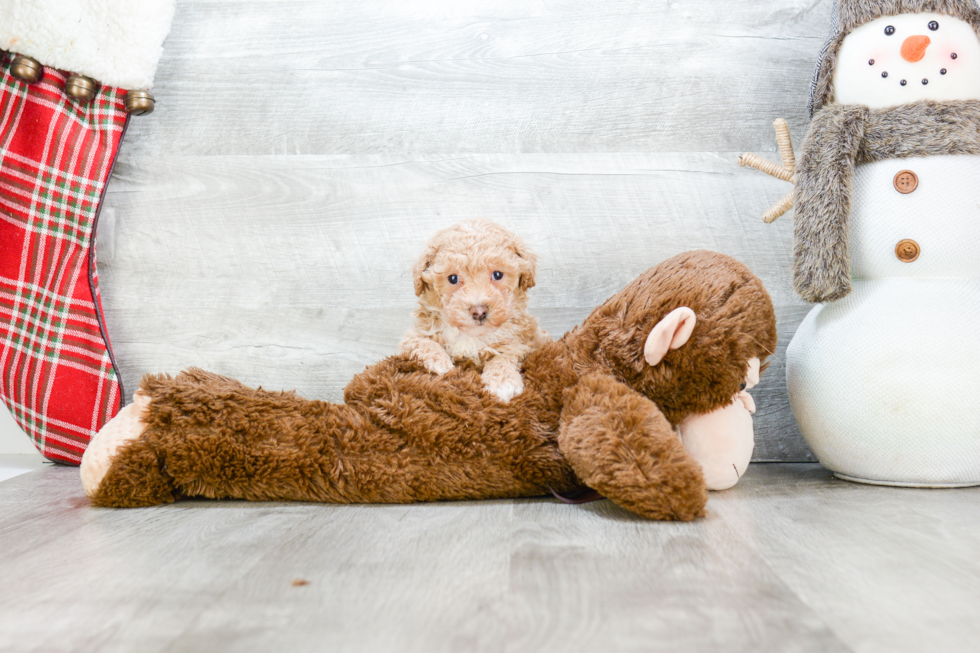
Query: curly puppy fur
[[841, 137], [592, 412], [466, 313]]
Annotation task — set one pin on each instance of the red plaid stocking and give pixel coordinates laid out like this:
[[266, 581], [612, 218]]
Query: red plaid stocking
[[57, 374]]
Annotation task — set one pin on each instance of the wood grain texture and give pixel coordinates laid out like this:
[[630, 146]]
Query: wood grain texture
[[441, 76], [788, 560], [888, 569], [302, 152]]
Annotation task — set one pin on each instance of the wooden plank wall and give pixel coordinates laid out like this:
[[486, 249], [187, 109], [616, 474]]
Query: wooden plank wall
[[302, 152]]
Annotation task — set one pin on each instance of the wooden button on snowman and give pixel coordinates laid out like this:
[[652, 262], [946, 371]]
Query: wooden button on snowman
[[884, 373], [906, 182]]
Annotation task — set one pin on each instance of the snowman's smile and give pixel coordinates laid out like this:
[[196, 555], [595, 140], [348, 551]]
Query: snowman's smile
[[925, 80], [913, 50]]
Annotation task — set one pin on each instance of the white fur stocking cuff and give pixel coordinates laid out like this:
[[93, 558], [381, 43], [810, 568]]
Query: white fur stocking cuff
[[116, 42]]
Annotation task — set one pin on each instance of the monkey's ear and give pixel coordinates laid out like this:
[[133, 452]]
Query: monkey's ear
[[670, 333], [529, 263], [420, 267]]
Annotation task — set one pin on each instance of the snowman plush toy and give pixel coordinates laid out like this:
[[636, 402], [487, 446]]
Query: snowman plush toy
[[884, 373]]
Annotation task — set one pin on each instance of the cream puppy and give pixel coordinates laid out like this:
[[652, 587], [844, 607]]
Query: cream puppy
[[472, 284]]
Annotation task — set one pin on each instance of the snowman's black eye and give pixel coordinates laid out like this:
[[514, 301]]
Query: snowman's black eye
[[453, 279], [871, 62], [952, 56], [889, 30], [933, 25], [497, 276], [942, 72], [903, 82]]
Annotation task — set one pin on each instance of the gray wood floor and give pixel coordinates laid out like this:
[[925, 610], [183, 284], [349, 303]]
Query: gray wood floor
[[789, 560]]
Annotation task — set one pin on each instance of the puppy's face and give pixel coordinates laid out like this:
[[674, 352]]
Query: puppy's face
[[476, 296], [475, 273]]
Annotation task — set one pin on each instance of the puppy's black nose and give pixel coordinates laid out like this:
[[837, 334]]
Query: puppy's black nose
[[479, 313]]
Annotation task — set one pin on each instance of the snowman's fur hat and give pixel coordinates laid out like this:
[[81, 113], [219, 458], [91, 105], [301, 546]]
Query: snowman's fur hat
[[851, 14]]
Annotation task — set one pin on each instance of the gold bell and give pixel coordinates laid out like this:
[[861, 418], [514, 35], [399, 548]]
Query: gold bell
[[81, 88], [26, 69], [139, 103]]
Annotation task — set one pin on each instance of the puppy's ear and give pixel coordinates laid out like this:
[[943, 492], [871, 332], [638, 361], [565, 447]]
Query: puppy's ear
[[420, 267], [529, 263]]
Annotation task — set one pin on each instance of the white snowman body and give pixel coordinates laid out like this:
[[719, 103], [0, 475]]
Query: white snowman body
[[885, 383]]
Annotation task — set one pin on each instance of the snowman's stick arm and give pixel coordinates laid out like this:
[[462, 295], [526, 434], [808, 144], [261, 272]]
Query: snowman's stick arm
[[786, 172], [785, 142], [779, 208], [768, 167]]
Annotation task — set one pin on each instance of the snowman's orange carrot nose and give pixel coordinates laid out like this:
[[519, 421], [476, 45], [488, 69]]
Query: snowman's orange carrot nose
[[914, 47]]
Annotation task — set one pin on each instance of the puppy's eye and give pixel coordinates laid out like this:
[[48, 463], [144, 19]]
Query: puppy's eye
[[498, 275], [933, 25], [889, 30], [453, 279], [742, 387]]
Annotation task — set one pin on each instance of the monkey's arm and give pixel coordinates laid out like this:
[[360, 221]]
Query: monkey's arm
[[619, 443]]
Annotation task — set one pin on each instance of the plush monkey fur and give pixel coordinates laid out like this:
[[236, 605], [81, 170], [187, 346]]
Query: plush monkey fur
[[593, 412]]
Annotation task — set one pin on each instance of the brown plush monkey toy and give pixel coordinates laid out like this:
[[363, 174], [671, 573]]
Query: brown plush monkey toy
[[601, 407]]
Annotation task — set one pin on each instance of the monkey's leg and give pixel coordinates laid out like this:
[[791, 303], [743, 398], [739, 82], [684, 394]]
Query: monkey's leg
[[200, 434], [403, 437]]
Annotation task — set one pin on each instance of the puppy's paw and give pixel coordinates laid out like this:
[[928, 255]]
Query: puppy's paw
[[505, 382], [506, 391], [438, 363]]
